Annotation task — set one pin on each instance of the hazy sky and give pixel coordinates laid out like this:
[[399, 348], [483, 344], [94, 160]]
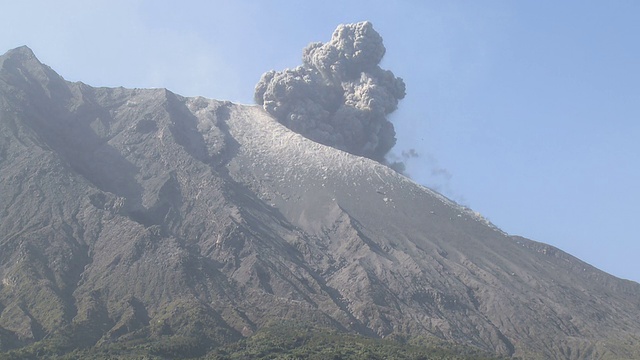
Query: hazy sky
[[526, 111]]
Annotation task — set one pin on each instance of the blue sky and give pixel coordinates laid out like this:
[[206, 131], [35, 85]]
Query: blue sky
[[526, 111]]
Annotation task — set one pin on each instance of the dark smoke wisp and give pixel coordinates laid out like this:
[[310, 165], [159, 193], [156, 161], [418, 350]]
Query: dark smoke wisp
[[339, 96]]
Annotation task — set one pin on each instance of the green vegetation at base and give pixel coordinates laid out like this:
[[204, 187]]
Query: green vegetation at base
[[296, 341], [283, 341]]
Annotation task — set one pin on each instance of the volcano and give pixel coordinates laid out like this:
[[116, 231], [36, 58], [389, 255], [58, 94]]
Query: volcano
[[139, 215]]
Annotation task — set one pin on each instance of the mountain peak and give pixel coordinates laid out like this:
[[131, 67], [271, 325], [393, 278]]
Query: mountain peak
[[23, 50], [29, 79], [22, 55]]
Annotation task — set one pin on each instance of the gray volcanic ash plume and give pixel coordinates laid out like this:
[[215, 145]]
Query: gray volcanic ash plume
[[339, 96]]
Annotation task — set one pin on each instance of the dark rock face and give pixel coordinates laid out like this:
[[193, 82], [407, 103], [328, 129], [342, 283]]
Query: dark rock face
[[139, 214]]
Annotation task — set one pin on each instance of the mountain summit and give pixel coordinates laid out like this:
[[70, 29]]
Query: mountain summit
[[131, 215]]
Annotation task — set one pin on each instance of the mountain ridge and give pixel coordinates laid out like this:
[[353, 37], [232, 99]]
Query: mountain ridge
[[136, 213]]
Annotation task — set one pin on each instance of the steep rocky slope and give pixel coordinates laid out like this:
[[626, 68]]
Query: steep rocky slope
[[134, 215]]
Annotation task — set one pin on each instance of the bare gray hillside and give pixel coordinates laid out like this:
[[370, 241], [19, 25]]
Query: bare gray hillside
[[133, 214]]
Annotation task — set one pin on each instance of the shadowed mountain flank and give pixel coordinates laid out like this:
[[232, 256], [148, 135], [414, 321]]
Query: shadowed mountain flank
[[140, 216]]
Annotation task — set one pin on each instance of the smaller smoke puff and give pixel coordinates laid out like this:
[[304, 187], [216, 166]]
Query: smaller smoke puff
[[339, 96]]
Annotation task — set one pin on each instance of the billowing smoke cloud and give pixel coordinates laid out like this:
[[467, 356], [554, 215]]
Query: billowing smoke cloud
[[339, 96]]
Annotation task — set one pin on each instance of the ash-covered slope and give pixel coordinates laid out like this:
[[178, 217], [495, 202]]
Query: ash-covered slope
[[139, 215]]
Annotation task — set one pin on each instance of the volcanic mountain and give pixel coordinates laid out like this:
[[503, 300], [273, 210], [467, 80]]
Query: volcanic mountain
[[141, 215]]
